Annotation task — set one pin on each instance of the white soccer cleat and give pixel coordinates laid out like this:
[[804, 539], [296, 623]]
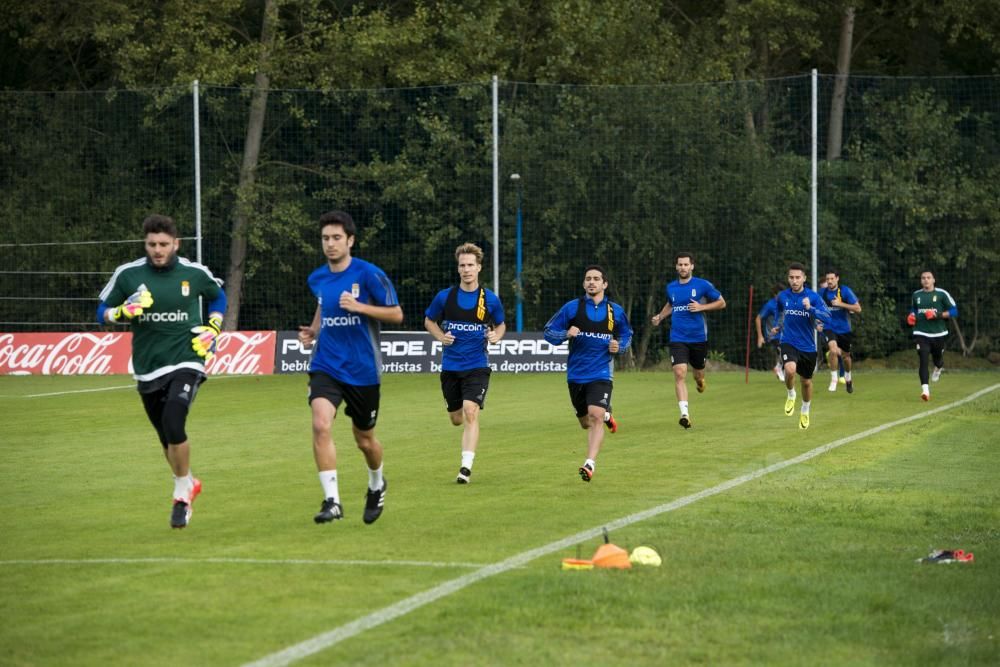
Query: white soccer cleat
[[833, 385], [936, 375]]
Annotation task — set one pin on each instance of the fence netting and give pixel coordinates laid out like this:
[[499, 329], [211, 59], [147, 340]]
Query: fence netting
[[621, 176]]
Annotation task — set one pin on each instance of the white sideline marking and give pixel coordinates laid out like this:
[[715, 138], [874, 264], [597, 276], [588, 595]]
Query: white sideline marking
[[123, 386], [327, 639], [245, 561]]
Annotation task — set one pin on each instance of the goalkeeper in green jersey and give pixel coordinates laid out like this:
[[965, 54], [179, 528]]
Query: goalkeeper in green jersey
[[930, 310], [160, 297]]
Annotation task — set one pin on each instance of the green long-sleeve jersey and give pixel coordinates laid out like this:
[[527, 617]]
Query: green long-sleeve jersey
[[161, 336], [937, 300]]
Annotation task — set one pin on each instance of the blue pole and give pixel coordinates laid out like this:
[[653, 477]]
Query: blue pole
[[520, 308]]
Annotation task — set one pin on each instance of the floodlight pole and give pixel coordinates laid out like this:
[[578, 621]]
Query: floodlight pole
[[516, 178]]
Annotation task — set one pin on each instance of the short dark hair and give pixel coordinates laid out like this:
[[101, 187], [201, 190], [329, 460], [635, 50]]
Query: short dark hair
[[159, 224], [797, 266], [683, 254], [923, 271], [833, 271], [341, 218], [598, 268]]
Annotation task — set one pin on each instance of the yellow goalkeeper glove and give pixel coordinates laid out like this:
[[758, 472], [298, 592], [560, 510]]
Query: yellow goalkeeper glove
[[206, 337], [134, 305]]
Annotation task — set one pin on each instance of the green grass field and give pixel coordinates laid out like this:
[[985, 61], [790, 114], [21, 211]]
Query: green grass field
[[813, 563]]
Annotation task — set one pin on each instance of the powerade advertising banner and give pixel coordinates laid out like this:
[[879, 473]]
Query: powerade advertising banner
[[417, 352]]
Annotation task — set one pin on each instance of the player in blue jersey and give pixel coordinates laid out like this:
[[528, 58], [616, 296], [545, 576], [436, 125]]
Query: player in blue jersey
[[768, 327], [596, 328], [687, 298], [354, 298], [799, 308], [841, 301], [160, 296], [464, 318]]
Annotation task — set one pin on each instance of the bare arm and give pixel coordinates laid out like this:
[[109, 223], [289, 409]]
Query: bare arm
[[663, 314], [387, 314], [307, 335], [438, 333], [496, 333], [698, 307]]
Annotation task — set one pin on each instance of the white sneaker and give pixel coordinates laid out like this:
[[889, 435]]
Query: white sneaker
[[936, 375], [833, 385]]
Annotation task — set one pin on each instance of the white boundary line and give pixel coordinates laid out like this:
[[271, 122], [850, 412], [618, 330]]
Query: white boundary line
[[325, 640], [242, 561], [122, 386]]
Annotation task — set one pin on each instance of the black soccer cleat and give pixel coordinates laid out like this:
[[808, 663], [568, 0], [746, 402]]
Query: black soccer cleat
[[463, 475], [374, 502], [850, 387], [586, 472], [684, 421], [329, 511], [180, 515]]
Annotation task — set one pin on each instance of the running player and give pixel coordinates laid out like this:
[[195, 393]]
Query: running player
[[464, 319], [687, 298], [596, 329], [160, 297], [800, 308], [354, 297]]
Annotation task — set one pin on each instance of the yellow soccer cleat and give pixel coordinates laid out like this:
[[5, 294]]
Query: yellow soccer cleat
[[804, 421], [700, 385], [789, 406]]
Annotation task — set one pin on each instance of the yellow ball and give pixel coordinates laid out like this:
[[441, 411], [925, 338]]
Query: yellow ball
[[645, 556]]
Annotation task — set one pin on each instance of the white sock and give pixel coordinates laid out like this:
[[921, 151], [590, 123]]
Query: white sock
[[683, 405], [182, 487], [607, 416], [328, 478], [791, 394], [833, 376], [467, 459], [375, 479], [925, 389], [805, 408], [590, 462], [847, 375]]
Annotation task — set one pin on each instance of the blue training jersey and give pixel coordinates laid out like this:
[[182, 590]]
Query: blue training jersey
[[798, 324], [469, 349], [769, 318], [589, 357], [840, 319], [347, 347], [686, 326]]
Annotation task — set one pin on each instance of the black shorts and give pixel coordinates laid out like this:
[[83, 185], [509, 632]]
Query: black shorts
[[844, 340], [177, 388], [362, 400], [460, 386], [591, 393], [805, 362], [934, 345], [692, 354]]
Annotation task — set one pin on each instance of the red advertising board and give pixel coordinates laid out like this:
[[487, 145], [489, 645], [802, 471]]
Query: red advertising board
[[105, 353]]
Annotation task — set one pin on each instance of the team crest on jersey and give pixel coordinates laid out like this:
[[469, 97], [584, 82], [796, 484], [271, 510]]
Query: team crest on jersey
[[934, 298], [694, 292], [185, 288], [355, 290]]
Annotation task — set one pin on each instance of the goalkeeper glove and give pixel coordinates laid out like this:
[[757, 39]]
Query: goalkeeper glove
[[134, 305], [930, 314], [206, 337], [911, 319]]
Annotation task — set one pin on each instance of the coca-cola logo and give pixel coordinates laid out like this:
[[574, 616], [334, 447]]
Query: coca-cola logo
[[62, 354], [243, 353]]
